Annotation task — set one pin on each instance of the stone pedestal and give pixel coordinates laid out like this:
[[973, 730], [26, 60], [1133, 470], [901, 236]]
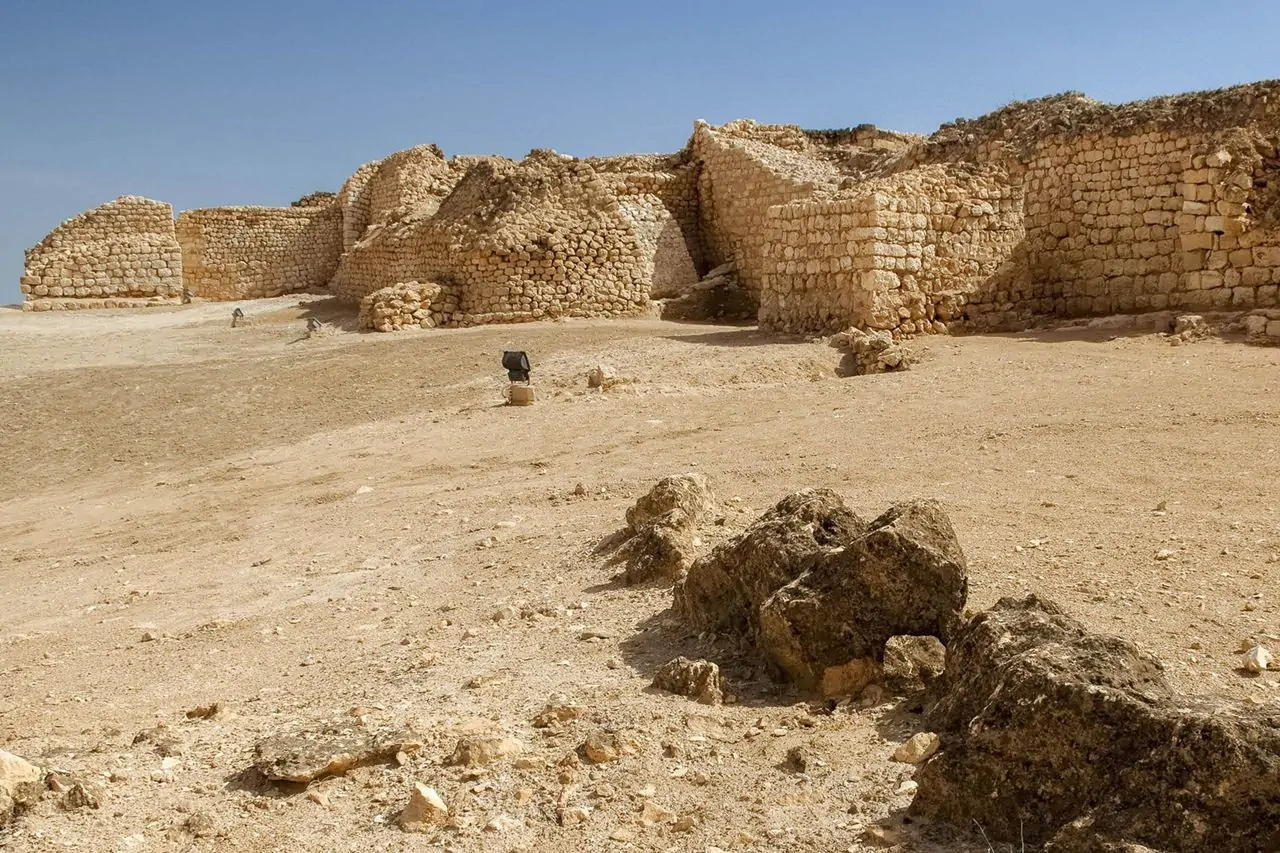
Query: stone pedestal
[[520, 395]]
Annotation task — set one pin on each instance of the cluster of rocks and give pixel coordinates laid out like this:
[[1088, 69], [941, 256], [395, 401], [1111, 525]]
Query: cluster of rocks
[[406, 305], [1037, 729], [818, 591], [23, 784], [869, 352]]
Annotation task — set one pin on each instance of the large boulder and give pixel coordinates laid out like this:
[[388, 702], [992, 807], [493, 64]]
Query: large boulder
[[661, 525], [820, 591], [1053, 734], [682, 501], [20, 785]]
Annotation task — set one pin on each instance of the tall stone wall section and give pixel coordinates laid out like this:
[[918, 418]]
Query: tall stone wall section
[[113, 255], [899, 256], [740, 179], [257, 252], [662, 208], [1064, 207]]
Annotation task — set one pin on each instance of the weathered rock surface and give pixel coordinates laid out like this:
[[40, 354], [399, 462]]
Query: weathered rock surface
[[698, 679], [820, 591], [1048, 730], [305, 756], [911, 664], [426, 810], [481, 751], [20, 785], [723, 590], [662, 523]]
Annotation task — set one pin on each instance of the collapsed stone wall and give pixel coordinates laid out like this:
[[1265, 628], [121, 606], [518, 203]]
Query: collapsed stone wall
[[258, 252], [549, 236], [122, 251]]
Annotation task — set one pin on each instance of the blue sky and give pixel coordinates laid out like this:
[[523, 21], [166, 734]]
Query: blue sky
[[236, 102]]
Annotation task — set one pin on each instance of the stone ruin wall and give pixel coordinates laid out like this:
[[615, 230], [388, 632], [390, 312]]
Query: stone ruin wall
[[1058, 207], [111, 256], [550, 236], [233, 253], [741, 179], [1169, 204], [1145, 222], [891, 257]]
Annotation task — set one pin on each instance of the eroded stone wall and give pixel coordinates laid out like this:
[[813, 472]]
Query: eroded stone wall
[[892, 257], [122, 251], [1085, 209], [741, 178], [549, 236], [257, 252]]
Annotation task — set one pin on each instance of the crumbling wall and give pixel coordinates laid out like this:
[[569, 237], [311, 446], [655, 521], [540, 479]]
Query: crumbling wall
[[741, 178], [891, 257], [549, 236], [123, 250], [257, 252], [1060, 207]]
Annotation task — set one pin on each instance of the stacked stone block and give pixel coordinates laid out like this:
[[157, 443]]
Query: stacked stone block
[[115, 255], [257, 252], [549, 236], [741, 178]]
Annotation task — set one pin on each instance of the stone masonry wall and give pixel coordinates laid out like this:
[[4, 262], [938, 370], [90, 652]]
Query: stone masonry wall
[[741, 179], [549, 236], [1147, 222], [257, 252], [123, 250], [892, 257]]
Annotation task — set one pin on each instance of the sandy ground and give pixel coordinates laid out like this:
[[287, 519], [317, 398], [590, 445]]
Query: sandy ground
[[164, 475]]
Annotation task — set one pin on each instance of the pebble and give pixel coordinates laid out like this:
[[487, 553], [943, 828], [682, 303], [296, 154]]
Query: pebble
[[1256, 660]]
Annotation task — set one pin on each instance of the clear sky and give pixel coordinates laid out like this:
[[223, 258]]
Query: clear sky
[[262, 101]]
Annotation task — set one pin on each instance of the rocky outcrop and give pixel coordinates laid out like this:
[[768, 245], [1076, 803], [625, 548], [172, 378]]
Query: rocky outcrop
[[820, 591], [1053, 734], [661, 525], [21, 783]]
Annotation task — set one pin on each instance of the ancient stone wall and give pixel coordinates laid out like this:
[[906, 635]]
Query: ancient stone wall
[[1134, 223], [257, 252], [122, 251], [891, 257], [549, 236], [741, 178], [1084, 209]]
